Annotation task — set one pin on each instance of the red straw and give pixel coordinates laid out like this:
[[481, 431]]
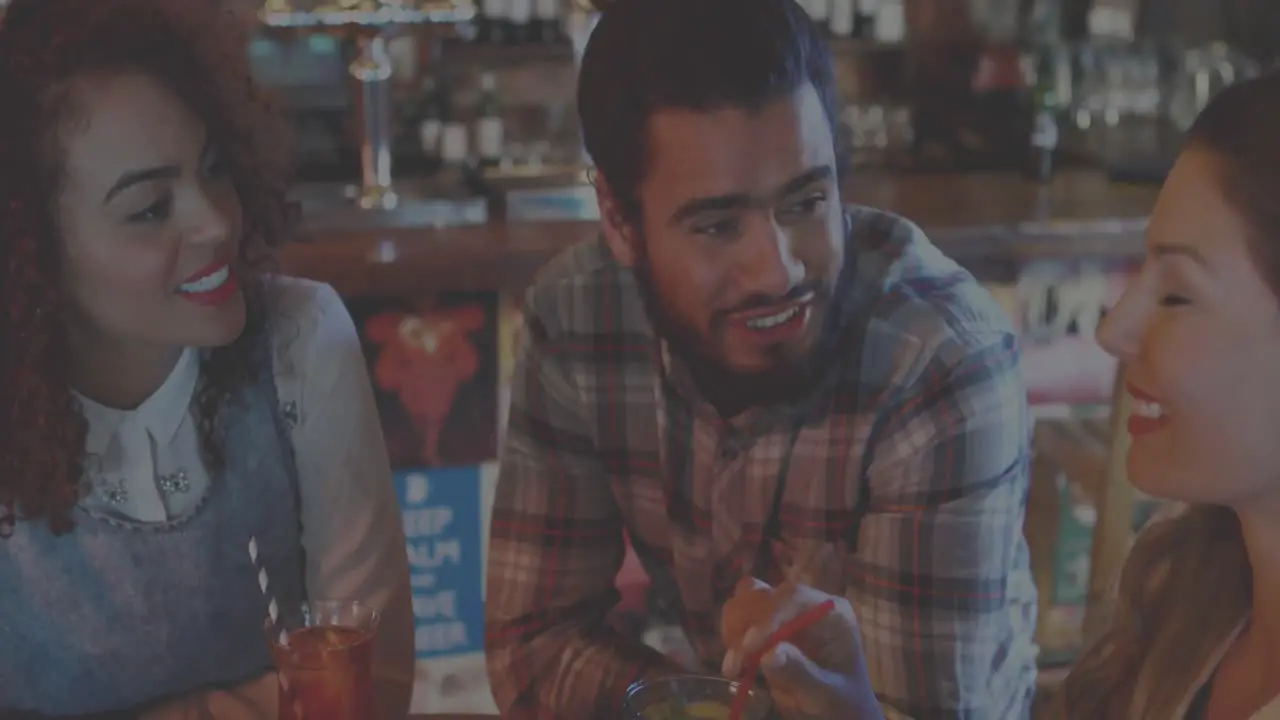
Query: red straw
[[784, 633]]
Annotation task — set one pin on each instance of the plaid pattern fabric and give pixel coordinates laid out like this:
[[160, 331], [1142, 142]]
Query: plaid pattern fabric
[[907, 469]]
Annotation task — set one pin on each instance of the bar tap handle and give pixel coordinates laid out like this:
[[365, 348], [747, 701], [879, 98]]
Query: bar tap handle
[[372, 69]]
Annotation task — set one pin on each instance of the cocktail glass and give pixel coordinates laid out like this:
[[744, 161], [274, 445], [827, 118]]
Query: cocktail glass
[[325, 663], [690, 696]]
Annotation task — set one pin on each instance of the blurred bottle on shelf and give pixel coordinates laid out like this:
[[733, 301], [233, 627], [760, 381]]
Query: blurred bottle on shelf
[[843, 21], [864, 19], [819, 11], [489, 132], [889, 22], [455, 152], [546, 22], [1042, 144], [431, 120], [492, 22], [519, 22]]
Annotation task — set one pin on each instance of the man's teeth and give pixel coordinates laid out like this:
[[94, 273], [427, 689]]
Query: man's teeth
[[1147, 409], [762, 323], [209, 282]]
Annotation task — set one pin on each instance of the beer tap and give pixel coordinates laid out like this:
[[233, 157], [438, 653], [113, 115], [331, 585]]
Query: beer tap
[[372, 69]]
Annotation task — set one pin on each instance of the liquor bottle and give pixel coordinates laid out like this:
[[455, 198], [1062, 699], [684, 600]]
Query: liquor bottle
[[546, 15], [865, 19], [489, 128], [494, 18], [820, 12], [1043, 141], [519, 21], [890, 22], [483, 23], [455, 154], [431, 120], [844, 18]]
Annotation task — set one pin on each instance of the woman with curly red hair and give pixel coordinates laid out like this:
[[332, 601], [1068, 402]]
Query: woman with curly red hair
[[163, 397]]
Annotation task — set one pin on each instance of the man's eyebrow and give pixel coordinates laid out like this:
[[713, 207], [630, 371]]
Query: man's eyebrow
[[736, 201]]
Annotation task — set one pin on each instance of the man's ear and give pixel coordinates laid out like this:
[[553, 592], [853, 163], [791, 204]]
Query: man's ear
[[618, 234]]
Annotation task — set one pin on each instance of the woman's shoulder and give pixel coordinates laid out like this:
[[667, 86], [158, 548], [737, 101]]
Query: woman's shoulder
[[298, 299], [307, 316]]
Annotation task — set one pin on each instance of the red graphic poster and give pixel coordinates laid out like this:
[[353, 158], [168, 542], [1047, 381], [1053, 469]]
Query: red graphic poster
[[434, 368]]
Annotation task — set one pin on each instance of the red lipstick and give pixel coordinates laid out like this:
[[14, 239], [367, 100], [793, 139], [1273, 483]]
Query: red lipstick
[[1147, 415], [211, 285]]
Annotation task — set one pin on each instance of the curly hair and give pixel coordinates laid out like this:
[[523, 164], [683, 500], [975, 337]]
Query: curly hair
[[196, 51]]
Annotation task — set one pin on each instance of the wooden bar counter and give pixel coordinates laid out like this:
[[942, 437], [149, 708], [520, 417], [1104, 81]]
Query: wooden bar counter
[[992, 220]]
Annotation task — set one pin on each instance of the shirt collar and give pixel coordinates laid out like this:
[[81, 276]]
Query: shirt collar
[[161, 414], [755, 420]]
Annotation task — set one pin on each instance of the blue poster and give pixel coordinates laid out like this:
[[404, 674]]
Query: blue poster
[[441, 513]]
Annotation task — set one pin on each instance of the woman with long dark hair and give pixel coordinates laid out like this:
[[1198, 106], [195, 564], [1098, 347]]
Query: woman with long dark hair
[[163, 396], [1196, 626]]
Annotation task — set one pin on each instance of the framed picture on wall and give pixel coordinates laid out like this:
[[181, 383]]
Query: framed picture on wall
[[433, 363]]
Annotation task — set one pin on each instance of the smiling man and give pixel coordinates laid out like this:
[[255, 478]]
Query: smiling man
[[748, 378]]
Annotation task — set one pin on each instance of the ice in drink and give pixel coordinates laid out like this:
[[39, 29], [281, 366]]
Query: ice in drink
[[327, 666]]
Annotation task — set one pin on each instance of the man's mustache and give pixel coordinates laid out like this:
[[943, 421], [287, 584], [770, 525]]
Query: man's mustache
[[762, 302]]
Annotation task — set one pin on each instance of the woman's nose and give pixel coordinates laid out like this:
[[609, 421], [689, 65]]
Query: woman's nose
[[211, 220], [1120, 331]]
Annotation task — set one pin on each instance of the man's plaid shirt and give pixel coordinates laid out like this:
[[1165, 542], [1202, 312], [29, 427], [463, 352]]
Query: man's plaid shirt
[[908, 465]]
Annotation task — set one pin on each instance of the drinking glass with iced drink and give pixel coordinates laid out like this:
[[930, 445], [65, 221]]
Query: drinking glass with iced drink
[[326, 660]]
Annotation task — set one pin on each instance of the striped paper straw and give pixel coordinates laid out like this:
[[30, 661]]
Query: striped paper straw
[[273, 610], [273, 613]]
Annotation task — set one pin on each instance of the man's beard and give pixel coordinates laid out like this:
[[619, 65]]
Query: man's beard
[[730, 392]]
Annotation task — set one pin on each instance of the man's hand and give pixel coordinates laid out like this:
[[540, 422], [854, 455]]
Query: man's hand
[[821, 672]]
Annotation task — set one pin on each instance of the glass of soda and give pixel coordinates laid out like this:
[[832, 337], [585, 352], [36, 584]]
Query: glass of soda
[[325, 660]]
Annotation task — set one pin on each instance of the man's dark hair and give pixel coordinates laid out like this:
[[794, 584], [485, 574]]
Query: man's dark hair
[[648, 55]]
